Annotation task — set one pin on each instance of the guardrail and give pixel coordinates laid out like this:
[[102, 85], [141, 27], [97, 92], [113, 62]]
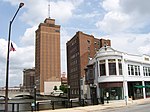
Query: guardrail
[[49, 104], [16, 107]]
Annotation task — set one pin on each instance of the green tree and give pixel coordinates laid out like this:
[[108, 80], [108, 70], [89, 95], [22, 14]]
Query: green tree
[[63, 88]]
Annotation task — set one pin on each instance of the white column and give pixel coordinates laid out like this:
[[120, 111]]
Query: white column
[[98, 68], [107, 68], [141, 70], [125, 88], [96, 78], [98, 91], [144, 95], [117, 67], [88, 92]]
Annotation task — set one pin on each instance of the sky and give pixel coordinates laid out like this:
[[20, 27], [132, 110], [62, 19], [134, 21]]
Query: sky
[[125, 22]]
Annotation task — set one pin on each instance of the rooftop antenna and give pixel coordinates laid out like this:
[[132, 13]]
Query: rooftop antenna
[[49, 9]]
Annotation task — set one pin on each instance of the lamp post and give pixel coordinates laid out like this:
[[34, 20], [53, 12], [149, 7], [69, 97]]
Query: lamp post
[[35, 97], [68, 95], [7, 64]]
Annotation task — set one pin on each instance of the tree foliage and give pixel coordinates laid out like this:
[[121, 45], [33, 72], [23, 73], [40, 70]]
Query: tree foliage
[[63, 88]]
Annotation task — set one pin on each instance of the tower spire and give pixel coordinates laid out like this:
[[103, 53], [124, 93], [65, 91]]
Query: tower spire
[[49, 9]]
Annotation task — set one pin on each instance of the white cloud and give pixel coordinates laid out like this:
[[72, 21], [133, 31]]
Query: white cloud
[[37, 11], [29, 36], [123, 21], [114, 22], [14, 2], [19, 59], [130, 43], [110, 5], [135, 6], [124, 16]]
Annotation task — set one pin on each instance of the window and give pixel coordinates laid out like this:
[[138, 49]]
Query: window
[[146, 71], [112, 66], [120, 66], [81, 82], [88, 41], [149, 71], [139, 70], [57, 31], [102, 68], [134, 70], [91, 75], [129, 70]]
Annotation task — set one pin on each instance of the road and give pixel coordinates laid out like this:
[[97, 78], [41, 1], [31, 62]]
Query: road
[[133, 108]]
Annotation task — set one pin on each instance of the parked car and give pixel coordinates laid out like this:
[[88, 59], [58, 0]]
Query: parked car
[[57, 93]]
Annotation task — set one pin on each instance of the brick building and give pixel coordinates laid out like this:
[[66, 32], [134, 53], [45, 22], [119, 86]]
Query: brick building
[[80, 49], [47, 55], [64, 79], [28, 79]]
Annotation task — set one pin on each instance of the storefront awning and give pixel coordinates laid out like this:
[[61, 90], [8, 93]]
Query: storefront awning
[[140, 86], [147, 86]]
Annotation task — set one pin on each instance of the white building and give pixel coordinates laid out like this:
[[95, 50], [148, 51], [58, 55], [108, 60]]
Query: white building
[[49, 86], [120, 74]]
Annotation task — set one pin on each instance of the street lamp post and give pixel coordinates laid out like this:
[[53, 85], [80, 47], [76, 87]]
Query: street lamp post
[[35, 97], [7, 64], [68, 95]]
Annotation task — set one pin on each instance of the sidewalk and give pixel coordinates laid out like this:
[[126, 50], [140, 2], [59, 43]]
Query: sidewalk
[[111, 104]]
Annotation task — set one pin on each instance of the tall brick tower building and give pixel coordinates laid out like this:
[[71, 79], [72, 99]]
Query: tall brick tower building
[[80, 49], [47, 53]]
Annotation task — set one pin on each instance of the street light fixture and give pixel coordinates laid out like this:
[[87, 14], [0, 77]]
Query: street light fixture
[[7, 64]]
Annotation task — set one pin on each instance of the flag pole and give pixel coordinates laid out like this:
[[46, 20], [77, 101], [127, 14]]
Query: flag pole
[[7, 64]]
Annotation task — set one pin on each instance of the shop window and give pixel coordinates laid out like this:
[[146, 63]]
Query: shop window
[[115, 93], [147, 89]]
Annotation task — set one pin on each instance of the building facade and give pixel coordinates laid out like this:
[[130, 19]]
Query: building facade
[[64, 79], [80, 49], [29, 80], [118, 75], [47, 54]]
